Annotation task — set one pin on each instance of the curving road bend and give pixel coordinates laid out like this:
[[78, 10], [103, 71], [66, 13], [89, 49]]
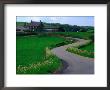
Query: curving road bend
[[75, 64]]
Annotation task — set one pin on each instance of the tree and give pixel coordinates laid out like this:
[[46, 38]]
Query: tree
[[25, 24], [61, 29], [83, 30], [75, 28], [67, 27], [40, 27]]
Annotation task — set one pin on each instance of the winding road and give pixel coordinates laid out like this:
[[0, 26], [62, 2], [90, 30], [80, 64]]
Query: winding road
[[75, 64]]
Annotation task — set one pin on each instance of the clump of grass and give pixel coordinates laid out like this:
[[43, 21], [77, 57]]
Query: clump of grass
[[76, 48], [49, 65], [81, 52], [48, 52]]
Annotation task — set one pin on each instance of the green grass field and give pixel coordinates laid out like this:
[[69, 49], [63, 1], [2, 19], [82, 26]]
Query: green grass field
[[89, 47], [83, 35], [31, 49]]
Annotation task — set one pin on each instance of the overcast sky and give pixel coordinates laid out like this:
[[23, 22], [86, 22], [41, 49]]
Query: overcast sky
[[72, 20]]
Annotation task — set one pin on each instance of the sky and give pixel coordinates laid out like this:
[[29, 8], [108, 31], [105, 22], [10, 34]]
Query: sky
[[72, 20]]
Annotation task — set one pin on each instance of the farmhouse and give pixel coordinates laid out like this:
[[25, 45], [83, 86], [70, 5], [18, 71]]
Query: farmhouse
[[32, 26], [36, 26]]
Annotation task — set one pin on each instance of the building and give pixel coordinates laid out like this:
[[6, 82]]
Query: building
[[34, 25]]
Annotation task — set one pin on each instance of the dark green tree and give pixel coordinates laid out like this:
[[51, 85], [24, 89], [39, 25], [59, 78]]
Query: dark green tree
[[40, 27], [61, 29]]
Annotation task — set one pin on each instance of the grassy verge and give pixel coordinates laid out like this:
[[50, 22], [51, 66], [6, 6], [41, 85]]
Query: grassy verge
[[86, 50], [81, 52]]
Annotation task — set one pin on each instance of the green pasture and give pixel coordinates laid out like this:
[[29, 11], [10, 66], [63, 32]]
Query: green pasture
[[31, 49], [83, 35], [89, 47]]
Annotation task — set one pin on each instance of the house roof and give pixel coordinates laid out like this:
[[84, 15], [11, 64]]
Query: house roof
[[34, 23]]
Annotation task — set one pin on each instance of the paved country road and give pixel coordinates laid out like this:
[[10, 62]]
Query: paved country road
[[75, 64]]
